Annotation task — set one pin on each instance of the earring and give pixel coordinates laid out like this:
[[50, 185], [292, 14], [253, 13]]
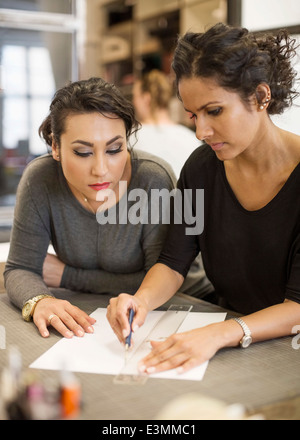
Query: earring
[[264, 105]]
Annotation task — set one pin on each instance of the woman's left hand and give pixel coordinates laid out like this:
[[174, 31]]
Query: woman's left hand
[[183, 351], [53, 270]]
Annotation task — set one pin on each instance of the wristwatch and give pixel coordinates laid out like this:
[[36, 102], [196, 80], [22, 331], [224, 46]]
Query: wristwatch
[[247, 338], [29, 306]]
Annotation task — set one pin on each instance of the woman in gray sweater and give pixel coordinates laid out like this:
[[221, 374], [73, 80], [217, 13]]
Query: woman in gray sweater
[[91, 199]]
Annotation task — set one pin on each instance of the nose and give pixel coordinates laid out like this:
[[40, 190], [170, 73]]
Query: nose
[[100, 167], [203, 128]]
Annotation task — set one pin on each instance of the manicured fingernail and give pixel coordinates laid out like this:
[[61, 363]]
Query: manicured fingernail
[[135, 328], [151, 370], [80, 333], [45, 334], [90, 329], [142, 368], [124, 333], [69, 334]]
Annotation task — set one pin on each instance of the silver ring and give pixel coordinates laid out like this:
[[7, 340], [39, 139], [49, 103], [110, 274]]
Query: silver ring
[[50, 318]]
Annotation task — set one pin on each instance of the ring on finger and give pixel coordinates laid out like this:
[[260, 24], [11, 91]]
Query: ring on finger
[[51, 317]]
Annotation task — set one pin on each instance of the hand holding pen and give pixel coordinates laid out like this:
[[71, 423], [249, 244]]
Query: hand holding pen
[[118, 313]]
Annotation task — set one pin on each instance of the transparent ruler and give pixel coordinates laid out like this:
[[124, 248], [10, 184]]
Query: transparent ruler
[[168, 324]]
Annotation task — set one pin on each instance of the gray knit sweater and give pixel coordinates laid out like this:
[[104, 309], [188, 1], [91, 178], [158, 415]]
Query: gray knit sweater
[[99, 258]]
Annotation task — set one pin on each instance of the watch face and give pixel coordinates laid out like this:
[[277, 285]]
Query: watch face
[[246, 341]]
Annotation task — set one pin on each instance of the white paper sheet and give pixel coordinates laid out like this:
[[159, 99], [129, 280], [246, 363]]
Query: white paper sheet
[[102, 353]]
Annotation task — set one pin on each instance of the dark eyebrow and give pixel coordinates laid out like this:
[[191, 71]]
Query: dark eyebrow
[[79, 141], [113, 140], [203, 106], [90, 144]]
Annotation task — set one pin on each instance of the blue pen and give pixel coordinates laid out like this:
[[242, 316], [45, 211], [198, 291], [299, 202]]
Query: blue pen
[[128, 339]]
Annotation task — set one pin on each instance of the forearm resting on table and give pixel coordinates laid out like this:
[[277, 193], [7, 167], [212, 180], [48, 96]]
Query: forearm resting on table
[[270, 323], [274, 322], [159, 285]]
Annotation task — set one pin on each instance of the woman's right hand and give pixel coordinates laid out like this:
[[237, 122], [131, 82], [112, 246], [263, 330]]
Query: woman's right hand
[[118, 313]]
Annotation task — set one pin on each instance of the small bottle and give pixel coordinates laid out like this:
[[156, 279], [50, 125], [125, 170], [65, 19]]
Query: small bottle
[[70, 395], [35, 398]]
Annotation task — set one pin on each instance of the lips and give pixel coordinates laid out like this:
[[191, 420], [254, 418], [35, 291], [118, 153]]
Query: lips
[[99, 186], [217, 146]]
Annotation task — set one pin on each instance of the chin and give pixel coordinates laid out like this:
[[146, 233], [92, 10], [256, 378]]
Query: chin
[[226, 154], [223, 156]]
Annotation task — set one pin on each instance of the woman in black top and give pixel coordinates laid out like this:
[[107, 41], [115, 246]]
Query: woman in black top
[[230, 81]]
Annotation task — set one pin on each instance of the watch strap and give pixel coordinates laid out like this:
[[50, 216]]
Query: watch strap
[[246, 330], [33, 302]]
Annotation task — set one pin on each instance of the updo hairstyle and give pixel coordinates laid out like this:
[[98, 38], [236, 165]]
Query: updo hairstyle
[[157, 84], [87, 96], [240, 61]]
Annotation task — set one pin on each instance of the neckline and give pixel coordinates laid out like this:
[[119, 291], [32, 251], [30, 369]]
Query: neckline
[[272, 202]]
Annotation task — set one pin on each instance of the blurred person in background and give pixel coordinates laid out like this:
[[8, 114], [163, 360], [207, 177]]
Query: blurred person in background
[[159, 134]]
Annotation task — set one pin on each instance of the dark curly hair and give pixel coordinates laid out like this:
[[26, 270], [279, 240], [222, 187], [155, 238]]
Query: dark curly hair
[[87, 96], [240, 60]]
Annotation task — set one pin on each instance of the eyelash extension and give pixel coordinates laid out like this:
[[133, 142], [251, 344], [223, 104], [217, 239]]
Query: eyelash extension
[[117, 150], [111, 152], [81, 154], [215, 112]]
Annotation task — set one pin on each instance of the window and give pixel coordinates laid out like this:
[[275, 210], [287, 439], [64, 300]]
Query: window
[[61, 6], [29, 86], [37, 56], [270, 14]]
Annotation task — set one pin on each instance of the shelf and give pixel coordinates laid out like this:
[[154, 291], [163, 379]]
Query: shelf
[[115, 49], [140, 35], [146, 9]]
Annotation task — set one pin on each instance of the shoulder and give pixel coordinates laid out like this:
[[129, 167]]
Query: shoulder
[[203, 157], [42, 167], [150, 168], [179, 131], [39, 175], [182, 134], [203, 152]]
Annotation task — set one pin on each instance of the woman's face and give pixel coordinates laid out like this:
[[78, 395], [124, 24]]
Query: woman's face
[[221, 118], [93, 154]]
